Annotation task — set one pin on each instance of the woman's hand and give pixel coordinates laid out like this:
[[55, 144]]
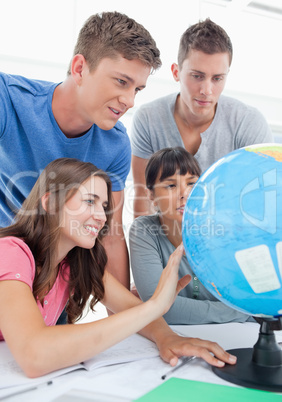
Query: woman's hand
[[169, 285], [174, 346]]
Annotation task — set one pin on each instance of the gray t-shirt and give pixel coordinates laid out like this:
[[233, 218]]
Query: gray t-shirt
[[235, 125], [149, 253]]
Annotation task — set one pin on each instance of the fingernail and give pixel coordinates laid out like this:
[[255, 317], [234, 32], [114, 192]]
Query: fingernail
[[220, 363], [232, 359]]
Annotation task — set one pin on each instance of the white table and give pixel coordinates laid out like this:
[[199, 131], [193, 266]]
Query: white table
[[126, 382]]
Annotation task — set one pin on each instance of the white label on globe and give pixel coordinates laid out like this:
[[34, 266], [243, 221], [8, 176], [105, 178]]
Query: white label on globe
[[257, 266]]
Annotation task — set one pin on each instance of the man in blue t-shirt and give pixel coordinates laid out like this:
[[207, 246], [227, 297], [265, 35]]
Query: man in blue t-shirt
[[41, 121]]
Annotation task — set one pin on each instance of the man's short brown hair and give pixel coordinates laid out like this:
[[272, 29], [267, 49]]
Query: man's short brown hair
[[110, 34], [205, 36]]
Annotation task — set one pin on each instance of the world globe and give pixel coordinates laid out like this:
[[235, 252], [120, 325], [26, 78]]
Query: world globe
[[232, 229]]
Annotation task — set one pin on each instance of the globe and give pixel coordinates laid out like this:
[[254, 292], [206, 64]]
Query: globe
[[232, 229]]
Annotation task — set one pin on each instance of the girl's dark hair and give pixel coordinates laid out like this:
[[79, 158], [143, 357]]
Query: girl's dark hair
[[167, 161], [40, 229]]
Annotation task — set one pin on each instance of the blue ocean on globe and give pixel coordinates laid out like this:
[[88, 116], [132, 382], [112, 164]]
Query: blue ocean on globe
[[232, 229]]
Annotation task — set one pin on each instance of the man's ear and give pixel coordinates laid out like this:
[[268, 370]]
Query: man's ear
[[78, 63], [45, 202], [175, 71]]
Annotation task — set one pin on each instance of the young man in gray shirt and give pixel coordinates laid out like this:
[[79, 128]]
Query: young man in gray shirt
[[198, 118]]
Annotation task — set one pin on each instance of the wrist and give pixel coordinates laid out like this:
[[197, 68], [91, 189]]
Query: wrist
[[160, 332]]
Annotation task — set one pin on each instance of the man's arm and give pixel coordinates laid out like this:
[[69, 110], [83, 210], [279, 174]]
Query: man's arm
[[115, 244], [142, 205]]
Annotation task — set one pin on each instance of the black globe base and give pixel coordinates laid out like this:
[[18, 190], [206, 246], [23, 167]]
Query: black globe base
[[248, 374], [259, 367]]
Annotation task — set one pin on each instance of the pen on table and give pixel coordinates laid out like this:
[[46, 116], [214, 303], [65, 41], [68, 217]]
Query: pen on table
[[22, 391], [184, 361]]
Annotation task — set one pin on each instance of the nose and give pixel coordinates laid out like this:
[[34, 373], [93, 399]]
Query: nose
[[206, 88], [99, 214], [128, 98], [184, 192]]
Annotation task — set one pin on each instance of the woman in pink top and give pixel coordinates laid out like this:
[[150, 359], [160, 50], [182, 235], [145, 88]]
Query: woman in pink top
[[53, 255]]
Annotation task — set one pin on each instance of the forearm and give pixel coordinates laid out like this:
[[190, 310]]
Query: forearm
[[52, 348], [157, 331], [40, 349]]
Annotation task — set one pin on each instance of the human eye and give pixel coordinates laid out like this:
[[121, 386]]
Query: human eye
[[197, 76], [121, 82], [89, 201], [170, 186], [191, 183], [218, 78]]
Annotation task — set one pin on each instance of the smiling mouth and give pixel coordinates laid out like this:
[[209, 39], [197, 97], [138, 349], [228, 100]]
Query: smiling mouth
[[92, 230], [115, 111]]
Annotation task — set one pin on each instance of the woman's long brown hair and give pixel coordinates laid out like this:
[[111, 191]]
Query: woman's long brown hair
[[40, 229]]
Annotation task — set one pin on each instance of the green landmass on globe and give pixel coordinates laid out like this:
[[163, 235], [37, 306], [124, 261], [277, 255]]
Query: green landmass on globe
[[272, 151]]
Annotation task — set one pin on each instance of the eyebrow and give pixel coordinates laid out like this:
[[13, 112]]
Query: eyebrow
[[173, 180], [201, 72], [168, 179]]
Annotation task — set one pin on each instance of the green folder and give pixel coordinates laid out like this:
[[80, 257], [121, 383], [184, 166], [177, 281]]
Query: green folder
[[179, 390]]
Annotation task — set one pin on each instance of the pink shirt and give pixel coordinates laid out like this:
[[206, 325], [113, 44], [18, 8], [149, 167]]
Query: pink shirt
[[17, 263]]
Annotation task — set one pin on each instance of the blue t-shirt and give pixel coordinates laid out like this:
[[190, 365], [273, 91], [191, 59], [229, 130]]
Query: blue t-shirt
[[30, 138]]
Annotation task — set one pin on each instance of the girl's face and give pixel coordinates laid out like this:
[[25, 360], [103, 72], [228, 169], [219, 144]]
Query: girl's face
[[84, 215], [170, 196]]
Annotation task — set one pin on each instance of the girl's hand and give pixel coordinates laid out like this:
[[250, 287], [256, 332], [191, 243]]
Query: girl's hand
[[169, 285], [174, 346]]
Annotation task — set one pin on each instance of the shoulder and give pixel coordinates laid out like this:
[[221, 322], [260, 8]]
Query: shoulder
[[146, 220], [15, 245], [119, 128], [146, 225], [17, 82], [116, 136], [118, 131], [246, 123], [235, 106], [165, 102], [237, 114], [17, 261]]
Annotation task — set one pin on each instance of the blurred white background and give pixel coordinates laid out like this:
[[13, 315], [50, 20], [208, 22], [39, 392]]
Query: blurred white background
[[38, 36]]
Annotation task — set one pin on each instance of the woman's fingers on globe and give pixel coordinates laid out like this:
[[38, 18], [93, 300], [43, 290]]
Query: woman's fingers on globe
[[183, 282], [174, 260], [166, 290], [211, 352], [216, 356]]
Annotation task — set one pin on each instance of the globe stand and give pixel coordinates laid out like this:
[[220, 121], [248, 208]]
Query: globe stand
[[259, 367]]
